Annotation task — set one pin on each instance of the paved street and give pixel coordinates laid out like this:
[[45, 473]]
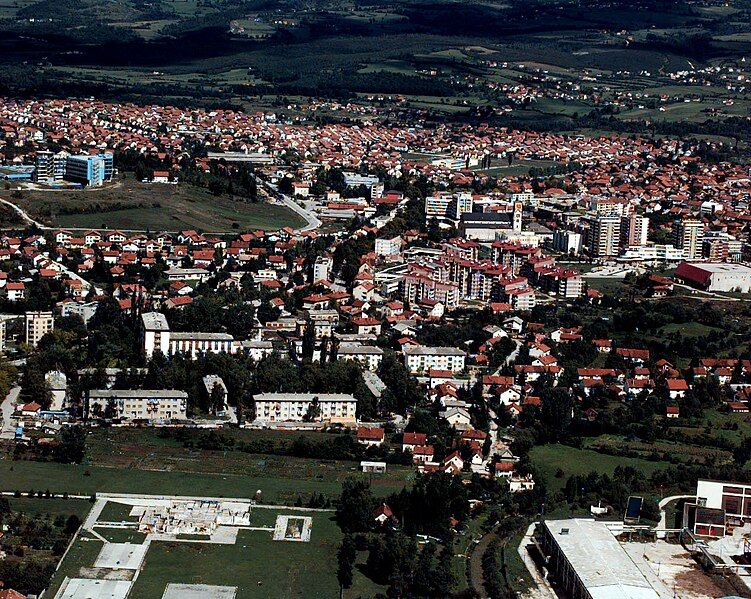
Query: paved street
[[8, 407]]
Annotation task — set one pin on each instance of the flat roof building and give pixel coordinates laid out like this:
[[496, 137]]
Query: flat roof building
[[715, 276], [590, 563], [141, 404], [294, 407]]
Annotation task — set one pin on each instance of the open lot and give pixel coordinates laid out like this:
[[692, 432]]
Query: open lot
[[132, 205], [549, 458], [252, 567]]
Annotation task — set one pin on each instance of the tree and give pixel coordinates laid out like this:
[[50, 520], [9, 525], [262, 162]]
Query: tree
[[72, 446], [313, 412], [354, 512], [346, 558]]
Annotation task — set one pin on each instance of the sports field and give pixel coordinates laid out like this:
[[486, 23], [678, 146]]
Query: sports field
[[251, 565], [132, 205]]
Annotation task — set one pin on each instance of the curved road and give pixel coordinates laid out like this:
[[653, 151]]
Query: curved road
[[310, 218], [24, 215]]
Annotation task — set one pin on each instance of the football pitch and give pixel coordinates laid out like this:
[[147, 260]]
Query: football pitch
[[221, 553]]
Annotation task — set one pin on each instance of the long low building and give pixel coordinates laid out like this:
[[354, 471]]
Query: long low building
[[336, 408], [715, 276], [140, 404], [156, 336], [588, 561]]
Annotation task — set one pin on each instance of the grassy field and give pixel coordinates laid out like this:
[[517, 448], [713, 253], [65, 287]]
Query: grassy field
[[132, 449], [549, 458], [129, 204], [281, 487], [37, 507], [258, 566]]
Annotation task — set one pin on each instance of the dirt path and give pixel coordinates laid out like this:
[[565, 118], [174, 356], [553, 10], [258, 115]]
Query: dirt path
[[476, 579]]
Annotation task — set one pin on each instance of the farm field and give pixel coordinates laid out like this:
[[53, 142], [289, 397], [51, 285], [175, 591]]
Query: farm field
[[132, 205]]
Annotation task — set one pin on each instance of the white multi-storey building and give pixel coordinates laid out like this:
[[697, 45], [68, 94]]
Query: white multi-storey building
[[419, 359], [38, 324], [156, 336], [141, 404], [337, 408], [367, 355]]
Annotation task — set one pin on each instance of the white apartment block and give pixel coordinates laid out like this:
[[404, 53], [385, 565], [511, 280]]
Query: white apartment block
[[336, 408], [38, 324], [388, 247], [420, 359], [322, 268], [369, 356], [142, 404], [156, 336], [604, 236], [689, 235]]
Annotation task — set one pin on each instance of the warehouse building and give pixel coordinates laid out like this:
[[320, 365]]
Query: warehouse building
[[589, 563], [715, 276]]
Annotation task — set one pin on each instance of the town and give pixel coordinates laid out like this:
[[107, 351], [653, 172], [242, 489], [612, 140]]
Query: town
[[523, 373]]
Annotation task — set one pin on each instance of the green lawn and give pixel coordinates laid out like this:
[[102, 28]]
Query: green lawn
[[132, 205], [52, 507], [85, 480], [121, 535], [549, 458], [258, 566]]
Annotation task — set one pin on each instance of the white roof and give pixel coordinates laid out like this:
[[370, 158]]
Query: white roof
[[154, 321], [281, 397], [601, 563], [418, 350]]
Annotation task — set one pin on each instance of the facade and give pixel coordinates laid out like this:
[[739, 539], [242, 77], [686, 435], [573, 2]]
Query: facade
[[716, 276], [734, 498], [142, 404], [38, 324], [688, 236], [336, 408], [567, 242], [155, 333], [156, 336], [367, 355], [589, 563], [634, 230], [89, 170], [604, 236], [388, 247], [322, 268], [420, 359]]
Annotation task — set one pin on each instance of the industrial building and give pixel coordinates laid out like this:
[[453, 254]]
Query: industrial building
[[587, 560], [715, 276]]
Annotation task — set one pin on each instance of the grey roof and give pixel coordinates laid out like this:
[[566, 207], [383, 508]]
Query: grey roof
[[137, 394], [303, 397], [604, 567], [154, 321], [418, 350], [356, 349], [201, 337]]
